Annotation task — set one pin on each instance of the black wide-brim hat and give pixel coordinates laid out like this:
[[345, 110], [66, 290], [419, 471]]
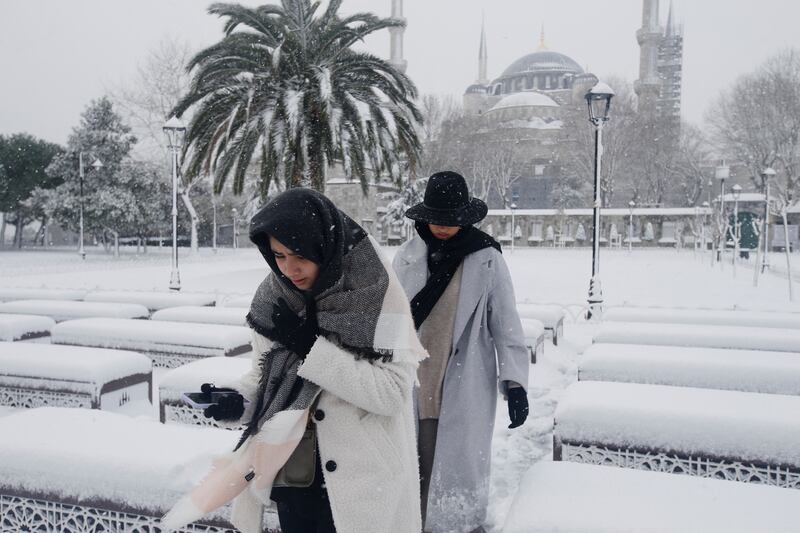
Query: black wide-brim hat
[[447, 202]]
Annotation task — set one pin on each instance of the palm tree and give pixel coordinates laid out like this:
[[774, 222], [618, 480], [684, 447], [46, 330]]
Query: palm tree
[[288, 91]]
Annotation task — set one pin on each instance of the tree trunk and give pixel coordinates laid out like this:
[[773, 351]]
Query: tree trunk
[[2, 230], [194, 219], [758, 255], [788, 254], [115, 234], [18, 232], [138, 245]]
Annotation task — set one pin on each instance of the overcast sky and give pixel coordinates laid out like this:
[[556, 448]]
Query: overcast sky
[[57, 55]]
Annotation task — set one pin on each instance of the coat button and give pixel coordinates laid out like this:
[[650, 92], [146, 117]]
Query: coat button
[[330, 466], [319, 415]]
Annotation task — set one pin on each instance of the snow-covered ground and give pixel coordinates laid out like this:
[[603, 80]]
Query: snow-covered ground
[[645, 277]]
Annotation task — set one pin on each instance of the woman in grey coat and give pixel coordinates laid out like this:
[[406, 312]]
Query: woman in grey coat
[[464, 309]]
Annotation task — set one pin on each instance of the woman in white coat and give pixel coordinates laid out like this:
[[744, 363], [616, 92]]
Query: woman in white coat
[[464, 308], [331, 323]]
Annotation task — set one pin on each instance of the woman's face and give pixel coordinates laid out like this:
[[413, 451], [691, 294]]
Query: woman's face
[[443, 232], [301, 271]]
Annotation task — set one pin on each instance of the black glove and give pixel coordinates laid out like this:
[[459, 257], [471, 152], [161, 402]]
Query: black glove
[[296, 334], [517, 407], [229, 406]]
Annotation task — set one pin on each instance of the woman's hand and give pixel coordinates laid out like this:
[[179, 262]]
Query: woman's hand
[[296, 334], [517, 406]]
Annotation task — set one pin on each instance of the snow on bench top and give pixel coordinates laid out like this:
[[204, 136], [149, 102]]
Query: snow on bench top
[[91, 454], [29, 365], [232, 316], [237, 301], [549, 314], [580, 498], [150, 336], [726, 424], [706, 368], [15, 327], [60, 310], [222, 371], [152, 300], [532, 328], [735, 337], [762, 319], [9, 293]]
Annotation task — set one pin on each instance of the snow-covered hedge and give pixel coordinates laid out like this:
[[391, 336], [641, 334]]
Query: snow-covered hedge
[[151, 299], [703, 316], [24, 327], [60, 310], [155, 338], [762, 428], [707, 368], [534, 336], [46, 374], [237, 301], [10, 293], [734, 337], [578, 498], [231, 316]]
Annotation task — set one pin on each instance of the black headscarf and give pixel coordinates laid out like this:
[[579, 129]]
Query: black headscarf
[[444, 258], [307, 223]]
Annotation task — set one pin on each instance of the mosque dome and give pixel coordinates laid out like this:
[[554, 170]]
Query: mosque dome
[[476, 88], [543, 61]]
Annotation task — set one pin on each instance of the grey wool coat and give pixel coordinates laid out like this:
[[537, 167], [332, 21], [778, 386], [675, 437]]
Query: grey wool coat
[[488, 351]]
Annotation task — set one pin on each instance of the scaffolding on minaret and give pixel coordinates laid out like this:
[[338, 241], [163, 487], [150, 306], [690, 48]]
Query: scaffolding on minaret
[[396, 36], [670, 73]]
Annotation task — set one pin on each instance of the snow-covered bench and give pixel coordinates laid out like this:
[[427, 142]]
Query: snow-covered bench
[[151, 299], [9, 293], [738, 436], [705, 368], [722, 317], [88, 471], [35, 375], [231, 316], [60, 310], [592, 499], [237, 301], [169, 344], [25, 327], [552, 316], [534, 337], [733, 337], [221, 371]]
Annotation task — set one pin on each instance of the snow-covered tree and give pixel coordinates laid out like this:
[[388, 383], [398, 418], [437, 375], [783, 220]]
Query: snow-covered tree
[[580, 233], [649, 235], [286, 87], [410, 194]]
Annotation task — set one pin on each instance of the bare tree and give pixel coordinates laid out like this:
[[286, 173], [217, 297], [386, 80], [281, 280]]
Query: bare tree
[[146, 101], [758, 122]]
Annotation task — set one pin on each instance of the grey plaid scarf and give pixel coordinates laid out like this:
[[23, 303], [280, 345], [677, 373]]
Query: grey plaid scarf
[[348, 313]]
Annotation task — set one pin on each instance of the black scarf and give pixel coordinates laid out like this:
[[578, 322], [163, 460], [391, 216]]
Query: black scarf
[[444, 258]]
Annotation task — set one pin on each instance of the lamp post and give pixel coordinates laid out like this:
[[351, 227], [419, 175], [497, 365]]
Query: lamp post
[[722, 172], [631, 205], [235, 233], [97, 165], [174, 130], [737, 192], [513, 207], [599, 101], [766, 175], [706, 205]]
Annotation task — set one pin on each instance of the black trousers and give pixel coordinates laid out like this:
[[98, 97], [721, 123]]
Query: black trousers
[[305, 510]]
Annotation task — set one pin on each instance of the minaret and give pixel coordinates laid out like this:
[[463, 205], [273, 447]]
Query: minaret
[[541, 46], [670, 24], [670, 72], [649, 36], [483, 58], [396, 35]]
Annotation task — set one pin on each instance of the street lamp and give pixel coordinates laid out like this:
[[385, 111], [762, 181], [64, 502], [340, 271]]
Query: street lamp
[[174, 130], [737, 192], [97, 165], [599, 101], [766, 176], [706, 205], [631, 205], [235, 233], [513, 207], [721, 173]]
